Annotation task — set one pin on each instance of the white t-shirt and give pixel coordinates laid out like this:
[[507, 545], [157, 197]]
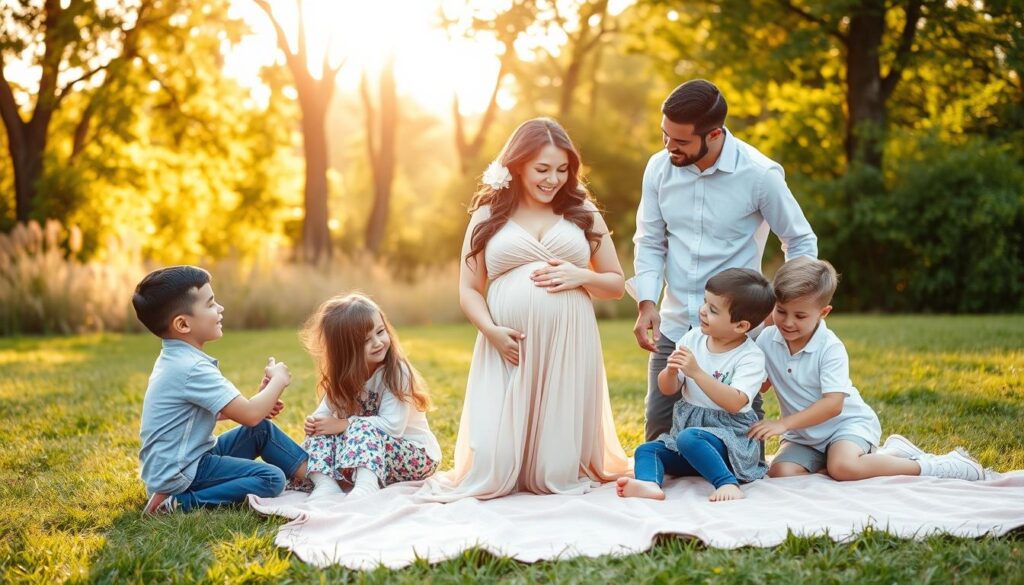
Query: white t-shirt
[[741, 367], [800, 380], [399, 419]]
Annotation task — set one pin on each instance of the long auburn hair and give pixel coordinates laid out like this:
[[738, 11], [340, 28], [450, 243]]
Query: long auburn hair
[[524, 144], [336, 337]]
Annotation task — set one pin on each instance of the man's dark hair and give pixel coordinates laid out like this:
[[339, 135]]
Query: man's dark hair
[[750, 295], [696, 102], [165, 294]]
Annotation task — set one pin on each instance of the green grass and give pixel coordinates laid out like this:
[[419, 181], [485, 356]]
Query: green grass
[[70, 496]]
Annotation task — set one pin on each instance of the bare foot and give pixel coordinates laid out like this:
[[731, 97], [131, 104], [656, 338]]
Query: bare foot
[[729, 491], [634, 488]]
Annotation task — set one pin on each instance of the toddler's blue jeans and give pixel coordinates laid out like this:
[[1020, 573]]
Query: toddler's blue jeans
[[700, 453]]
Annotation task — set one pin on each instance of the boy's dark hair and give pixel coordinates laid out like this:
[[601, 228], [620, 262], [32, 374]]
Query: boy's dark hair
[[750, 295], [696, 102], [166, 293]]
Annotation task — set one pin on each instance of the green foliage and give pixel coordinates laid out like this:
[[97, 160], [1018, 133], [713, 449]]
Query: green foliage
[[182, 161], [944, 233], [161, 146], [71, 493]]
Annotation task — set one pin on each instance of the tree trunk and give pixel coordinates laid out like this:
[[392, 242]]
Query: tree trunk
[[469, 150], [382, 155], [314, 98], [316, 236], [865, 98], [570, 79], [587, 39], [26, 141], [26, 146]]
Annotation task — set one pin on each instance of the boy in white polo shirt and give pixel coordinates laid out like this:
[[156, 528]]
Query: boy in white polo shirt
[[825, 423]]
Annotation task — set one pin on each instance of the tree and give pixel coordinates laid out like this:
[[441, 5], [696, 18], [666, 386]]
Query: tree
[[506, 27], [867, 46], [80, 44], [867, 89], [381, 128], [315, 95], [593, 26]]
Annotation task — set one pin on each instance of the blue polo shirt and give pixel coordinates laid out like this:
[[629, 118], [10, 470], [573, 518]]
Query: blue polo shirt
[[186, 391]]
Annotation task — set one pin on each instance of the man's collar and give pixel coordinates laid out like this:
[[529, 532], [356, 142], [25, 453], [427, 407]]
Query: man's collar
[[727, 158]]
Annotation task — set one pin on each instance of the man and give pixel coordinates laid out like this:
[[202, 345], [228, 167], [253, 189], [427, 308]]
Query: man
[[707, 204]]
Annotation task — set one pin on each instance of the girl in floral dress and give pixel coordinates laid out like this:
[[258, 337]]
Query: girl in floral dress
[[370, 428]]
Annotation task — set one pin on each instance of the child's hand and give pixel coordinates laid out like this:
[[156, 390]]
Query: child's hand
[[761, 430], [279, 371], [682, 359], [276, 409], [324, 424], [266, 373]]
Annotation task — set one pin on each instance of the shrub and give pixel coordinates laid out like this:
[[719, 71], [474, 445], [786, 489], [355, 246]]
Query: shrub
[[45, 288], [944, 233]]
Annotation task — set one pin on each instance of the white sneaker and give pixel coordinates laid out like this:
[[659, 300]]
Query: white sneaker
[[900, 446], [956, 464]]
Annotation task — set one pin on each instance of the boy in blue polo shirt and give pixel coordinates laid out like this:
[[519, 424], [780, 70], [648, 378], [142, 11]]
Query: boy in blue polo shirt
[[184, 465], [825, 424]]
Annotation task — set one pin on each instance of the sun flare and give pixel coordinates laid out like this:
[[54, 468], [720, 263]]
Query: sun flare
[[431, 64]]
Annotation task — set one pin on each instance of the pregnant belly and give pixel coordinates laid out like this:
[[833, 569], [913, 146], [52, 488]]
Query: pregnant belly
[[515, 301]]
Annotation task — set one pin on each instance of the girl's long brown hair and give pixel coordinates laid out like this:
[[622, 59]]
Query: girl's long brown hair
[[336, 337], [524, 144]]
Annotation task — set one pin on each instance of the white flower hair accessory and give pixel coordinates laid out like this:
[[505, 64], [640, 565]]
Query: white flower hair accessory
[[497, 176]]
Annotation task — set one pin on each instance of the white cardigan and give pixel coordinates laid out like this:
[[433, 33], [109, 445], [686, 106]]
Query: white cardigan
[[399, 419]]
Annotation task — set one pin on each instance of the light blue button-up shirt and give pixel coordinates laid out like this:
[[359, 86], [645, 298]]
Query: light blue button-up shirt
[[692, 225]]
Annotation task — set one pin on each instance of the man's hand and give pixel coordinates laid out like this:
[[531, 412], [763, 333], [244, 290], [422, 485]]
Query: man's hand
[[648, 323], [764, 429]]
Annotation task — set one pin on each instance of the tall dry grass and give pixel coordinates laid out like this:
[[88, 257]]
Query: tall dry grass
[[45, 289]]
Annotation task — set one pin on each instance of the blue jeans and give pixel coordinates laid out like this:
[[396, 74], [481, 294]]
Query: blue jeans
[[700, 453], [228, 473]]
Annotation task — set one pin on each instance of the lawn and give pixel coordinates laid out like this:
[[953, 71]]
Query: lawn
[[70, 495]]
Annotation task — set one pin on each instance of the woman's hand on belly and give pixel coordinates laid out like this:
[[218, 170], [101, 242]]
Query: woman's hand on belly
[[559, 276], [506, 340]]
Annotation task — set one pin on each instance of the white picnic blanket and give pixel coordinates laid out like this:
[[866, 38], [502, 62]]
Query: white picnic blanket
[[392, 528]]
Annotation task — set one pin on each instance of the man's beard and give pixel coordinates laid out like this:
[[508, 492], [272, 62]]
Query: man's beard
[[689, 160]]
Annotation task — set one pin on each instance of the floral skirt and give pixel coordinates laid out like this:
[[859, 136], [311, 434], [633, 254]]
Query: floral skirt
[[364, 445]]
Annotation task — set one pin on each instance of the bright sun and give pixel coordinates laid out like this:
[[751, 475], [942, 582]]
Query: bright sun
[[429, 66]]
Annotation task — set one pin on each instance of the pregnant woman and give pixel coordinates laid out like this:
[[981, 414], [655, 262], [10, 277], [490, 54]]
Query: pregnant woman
[[536, 416]]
